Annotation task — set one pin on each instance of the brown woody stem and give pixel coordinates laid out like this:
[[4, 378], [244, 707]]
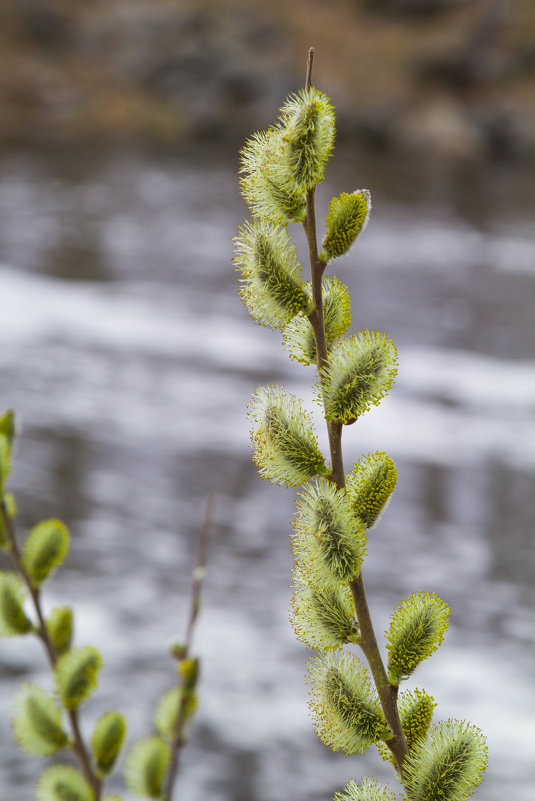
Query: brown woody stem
[[387, 692]]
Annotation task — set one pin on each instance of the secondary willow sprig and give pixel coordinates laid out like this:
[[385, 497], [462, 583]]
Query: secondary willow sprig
[[353, 706], [46, 724]]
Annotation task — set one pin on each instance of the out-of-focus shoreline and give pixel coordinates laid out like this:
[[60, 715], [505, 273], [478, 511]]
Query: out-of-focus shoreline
[[457, 82]]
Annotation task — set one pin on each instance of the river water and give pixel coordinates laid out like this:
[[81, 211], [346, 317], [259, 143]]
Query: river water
[[128, 355]]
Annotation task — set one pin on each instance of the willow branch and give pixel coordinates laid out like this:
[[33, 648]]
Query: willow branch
[[368, 642], [78, 745], [179, 738]]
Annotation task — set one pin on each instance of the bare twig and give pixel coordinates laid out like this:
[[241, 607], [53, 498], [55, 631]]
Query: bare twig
[[197, 577]]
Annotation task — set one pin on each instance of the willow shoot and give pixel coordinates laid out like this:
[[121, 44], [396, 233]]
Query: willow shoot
[[353, 706], [45, 724]]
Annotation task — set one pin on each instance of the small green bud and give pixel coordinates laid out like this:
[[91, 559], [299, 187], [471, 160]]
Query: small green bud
[[178, 650], [347, 716], [416, 630], [447, 765], [5, 461], [188, 670], [322, 617], [63, 783], [76, 674], [37, 723], [271, 285], [13, 619], [299, 334], [370, 485], [10, 507], [308, 123], [146, 766], [347, 217], [370, 790], [166, 714], [361, 371], [285, 447], [44, 549], [107, 740], [59, 625], [7, 426], [329, 541]]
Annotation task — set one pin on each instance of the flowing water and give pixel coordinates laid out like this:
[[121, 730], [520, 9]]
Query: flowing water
[[128, 355]]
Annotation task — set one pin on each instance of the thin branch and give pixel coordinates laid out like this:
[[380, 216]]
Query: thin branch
[[78, 745], [387, 692], [197, 577]]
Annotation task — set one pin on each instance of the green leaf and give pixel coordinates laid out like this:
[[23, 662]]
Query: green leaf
[[107, 740], [59, 625], [45, 549], [361, 371], [370, 485], [146, 766], [37, 724], [346, 713], [63, 783], [347, 216], [447, 765], [370, 790], [416, 630], [271, 285], [285, 447], [13, 619], [76, 674]]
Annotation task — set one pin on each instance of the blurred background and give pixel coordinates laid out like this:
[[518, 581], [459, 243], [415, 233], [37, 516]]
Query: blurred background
[[129, 358]]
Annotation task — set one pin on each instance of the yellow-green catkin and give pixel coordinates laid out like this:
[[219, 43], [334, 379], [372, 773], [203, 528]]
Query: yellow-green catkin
[[416, 630], [107, 740], [37, 724], [361, 371], [323, 617], [13, 619], [370, 485], [285, 446], [369, 790], [345, 710], [416, 713], [76, 673], [299, 336], [447, 765], [146, 766], [44, 549], [271, 283], [346, 219]]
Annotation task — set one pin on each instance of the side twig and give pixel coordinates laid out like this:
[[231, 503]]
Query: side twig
[[78, 745], [197, 578]]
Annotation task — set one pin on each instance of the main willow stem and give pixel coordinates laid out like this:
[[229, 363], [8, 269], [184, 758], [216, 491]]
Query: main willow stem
[[368, 642]]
